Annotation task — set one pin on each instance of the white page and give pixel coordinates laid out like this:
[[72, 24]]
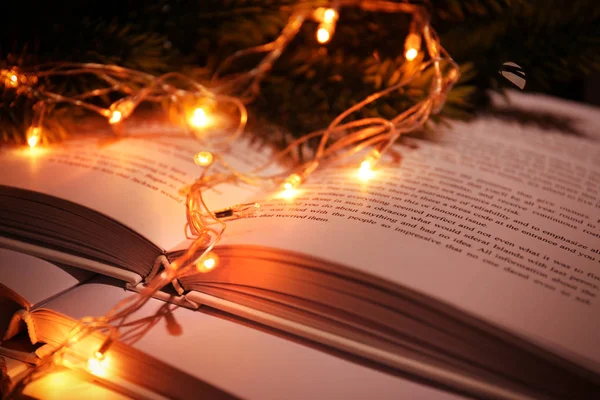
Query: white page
[[477, 220], [35, 279], [135, 180], [244, 361], [65, 385]]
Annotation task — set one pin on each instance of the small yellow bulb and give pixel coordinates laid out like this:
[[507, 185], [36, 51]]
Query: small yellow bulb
[[98, 364], [33, 141], [33, 136], [329, 15], [323, 35], [204, 158], [208, 262], [199, 118], [412, 44], [292, 181], [121, 109], [288, 194], [411, 54], [365, 171], [9, 78], [289, 186], [115, 117]]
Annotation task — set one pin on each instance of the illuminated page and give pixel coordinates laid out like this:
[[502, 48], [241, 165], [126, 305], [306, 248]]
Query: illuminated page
[[497, 220], [245, 361], [137, 181], [64, 384]]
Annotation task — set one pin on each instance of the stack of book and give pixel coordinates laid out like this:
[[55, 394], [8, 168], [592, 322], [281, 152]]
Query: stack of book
[[470, 267]]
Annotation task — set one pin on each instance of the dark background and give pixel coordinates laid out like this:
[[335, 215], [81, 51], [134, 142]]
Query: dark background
[[556, 42], [57, 30]]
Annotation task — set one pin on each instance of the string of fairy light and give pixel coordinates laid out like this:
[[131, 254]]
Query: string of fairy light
[[340, 140]]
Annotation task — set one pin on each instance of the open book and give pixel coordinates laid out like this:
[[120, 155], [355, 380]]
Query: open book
[[472, 264], [31, 326], [207, 346]]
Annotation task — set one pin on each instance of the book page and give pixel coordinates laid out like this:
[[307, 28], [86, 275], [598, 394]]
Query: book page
[[244, 361], [68, 385], [500, 221], [136, 180], [11, 369], [35, 279]]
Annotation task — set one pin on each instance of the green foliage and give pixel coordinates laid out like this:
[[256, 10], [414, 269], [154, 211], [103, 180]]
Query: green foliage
[[32, 39], [553, 40]]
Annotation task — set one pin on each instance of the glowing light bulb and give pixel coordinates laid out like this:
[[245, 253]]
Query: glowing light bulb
[[10, 78], [121, 109], [365, 172], [32, 141], [204, 158], [289, 186], [33, 136], [199, 118], [323, 35], [115, 117], [411, 54], [288, 193], [292, 182], [412, 44], [329, 15], [208, 262], [98, 364]]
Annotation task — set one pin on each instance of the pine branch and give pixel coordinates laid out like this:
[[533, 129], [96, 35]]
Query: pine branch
[[80, 40], [552, 40]]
